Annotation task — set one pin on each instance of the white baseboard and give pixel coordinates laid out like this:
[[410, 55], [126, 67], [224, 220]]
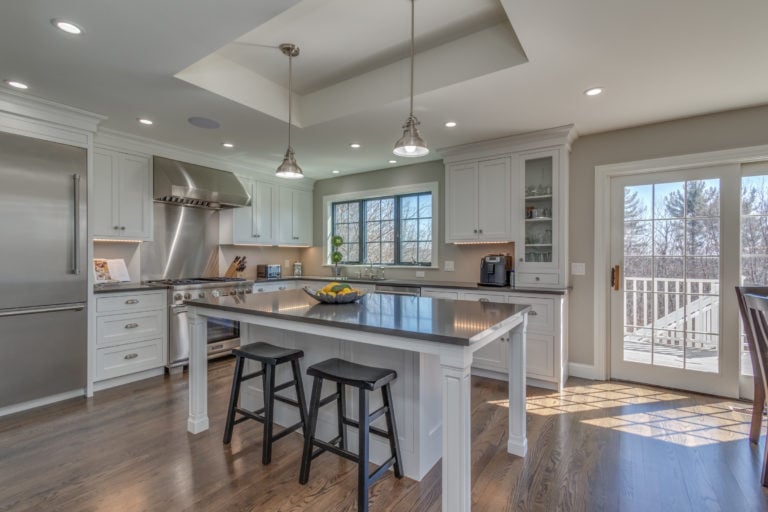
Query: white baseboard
[[11, 409], [125, 379], [584, 371], [529, 381]]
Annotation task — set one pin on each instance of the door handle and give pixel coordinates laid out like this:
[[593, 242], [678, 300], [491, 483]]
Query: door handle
[[615, 277], [76, 232]]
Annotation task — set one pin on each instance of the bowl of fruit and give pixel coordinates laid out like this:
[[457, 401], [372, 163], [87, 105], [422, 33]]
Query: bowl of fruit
[[335, 293]]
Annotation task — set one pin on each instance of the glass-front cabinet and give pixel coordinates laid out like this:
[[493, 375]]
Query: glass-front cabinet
[[539, 254]]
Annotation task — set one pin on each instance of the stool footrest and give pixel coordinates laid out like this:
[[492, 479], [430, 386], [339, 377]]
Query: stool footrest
[[327, 400], [373, 430], [324, 446], [381, 470], [286, 431], [254, 415], [285, 385], [252, 375], [286, 400]]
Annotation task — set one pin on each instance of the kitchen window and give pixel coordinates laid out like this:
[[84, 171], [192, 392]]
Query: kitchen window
[[388, 229]]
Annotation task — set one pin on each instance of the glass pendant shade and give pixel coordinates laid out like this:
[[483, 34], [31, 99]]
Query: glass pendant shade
[[411, 144], [289, 168]]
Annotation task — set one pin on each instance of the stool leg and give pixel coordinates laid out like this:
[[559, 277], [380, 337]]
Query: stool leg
[[300, 395], [233, 396], [314, 405], [341, 405], [363, 452], [269, 413], [394, 440]]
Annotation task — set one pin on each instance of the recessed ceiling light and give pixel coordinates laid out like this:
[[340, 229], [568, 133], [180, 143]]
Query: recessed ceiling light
[[355, 145], [16, 84], [67, 26], [228, 145], [145, 121], [450, 124], [594, 91], [335, 171], [393, 161]]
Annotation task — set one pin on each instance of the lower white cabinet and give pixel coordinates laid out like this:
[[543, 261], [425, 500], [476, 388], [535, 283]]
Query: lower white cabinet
[[546, 337], [131, 336]]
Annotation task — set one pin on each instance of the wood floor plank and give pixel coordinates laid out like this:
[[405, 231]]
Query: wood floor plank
[[596, 446]]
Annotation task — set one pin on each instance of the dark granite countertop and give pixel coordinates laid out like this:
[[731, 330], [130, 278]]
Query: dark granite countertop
[[126, 287], [424, 284], [424, 318]]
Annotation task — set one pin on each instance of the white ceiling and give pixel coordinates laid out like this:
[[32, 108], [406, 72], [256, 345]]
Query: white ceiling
[[497, 67]]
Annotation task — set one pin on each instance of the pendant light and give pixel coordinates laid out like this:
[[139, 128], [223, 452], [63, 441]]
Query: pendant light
[[411, 144], [289, 168]]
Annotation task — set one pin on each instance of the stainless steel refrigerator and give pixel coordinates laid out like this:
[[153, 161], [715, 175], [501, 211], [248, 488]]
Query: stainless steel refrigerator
[[43, 269]]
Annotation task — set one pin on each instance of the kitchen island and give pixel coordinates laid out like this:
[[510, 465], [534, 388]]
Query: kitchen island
[[440, 337]]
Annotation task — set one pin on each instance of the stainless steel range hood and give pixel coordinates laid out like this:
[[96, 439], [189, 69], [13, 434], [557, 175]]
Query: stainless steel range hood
[[186, 184]]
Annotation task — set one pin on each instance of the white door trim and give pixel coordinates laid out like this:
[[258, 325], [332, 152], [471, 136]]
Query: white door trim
[[603, 176]]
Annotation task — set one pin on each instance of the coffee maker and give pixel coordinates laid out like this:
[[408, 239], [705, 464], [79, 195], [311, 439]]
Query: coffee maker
[[494, 270]]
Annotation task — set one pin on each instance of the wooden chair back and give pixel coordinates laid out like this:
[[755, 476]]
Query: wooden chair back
[[757, 307], [757, 372]]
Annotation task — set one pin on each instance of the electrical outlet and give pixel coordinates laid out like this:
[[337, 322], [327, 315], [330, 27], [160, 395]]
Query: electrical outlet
[[578, 269], [419, 273], [448, 266]]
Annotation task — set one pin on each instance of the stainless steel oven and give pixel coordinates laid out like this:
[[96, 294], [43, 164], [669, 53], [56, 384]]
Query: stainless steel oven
[[222, 335]]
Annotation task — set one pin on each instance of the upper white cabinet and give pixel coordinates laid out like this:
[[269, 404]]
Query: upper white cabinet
[[514, 189], [294, 217], [122, 196], [477, 205], [278, 216]]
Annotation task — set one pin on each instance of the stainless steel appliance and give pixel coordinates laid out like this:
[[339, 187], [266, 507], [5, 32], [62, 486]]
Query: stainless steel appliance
[[398, 289], [223, 335], [268, 271], [494, 270], [186, 184], [43, 270]]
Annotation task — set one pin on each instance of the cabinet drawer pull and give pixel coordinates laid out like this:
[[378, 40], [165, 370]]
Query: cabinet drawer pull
[[261, 289], [132, 301], [131, 326], [131, 356], [532, 313], [483, 300]]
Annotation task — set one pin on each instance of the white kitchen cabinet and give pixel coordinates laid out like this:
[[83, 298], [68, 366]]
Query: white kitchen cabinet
[[294, 217], [546, 336], [529, 207], [131, 336], [277, 286], [493, 356], [121, 201], [477, 204], [277, 216], [439, 293]]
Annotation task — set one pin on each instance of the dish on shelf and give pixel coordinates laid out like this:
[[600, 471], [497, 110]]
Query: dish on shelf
[[345, 296]]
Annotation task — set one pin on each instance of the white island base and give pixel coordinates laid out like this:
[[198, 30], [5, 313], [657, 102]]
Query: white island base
[[432, 394], [416, 395]]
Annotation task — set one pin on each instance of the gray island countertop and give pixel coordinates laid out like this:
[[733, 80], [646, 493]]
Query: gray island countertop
[[425, 318]]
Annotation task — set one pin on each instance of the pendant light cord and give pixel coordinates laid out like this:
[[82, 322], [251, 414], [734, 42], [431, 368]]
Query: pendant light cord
[[413, 2], [290, 94]]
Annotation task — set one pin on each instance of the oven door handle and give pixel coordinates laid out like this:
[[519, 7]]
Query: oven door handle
[[177, 310]]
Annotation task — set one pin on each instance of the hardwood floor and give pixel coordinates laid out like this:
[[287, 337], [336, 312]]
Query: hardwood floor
[[596, 446]]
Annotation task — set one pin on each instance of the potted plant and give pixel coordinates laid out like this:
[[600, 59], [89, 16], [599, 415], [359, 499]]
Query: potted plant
[[336, 256]]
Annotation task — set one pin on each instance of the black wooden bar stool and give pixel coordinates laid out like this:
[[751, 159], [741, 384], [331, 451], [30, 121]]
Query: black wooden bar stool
[[364, 378], [269, 356]]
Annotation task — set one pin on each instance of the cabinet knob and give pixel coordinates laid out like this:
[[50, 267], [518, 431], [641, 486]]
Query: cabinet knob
[[538, 278], [257, 236], [532, 313], [521, 259], [479, 230], [122, 228], [116, 227], [474, 231]]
